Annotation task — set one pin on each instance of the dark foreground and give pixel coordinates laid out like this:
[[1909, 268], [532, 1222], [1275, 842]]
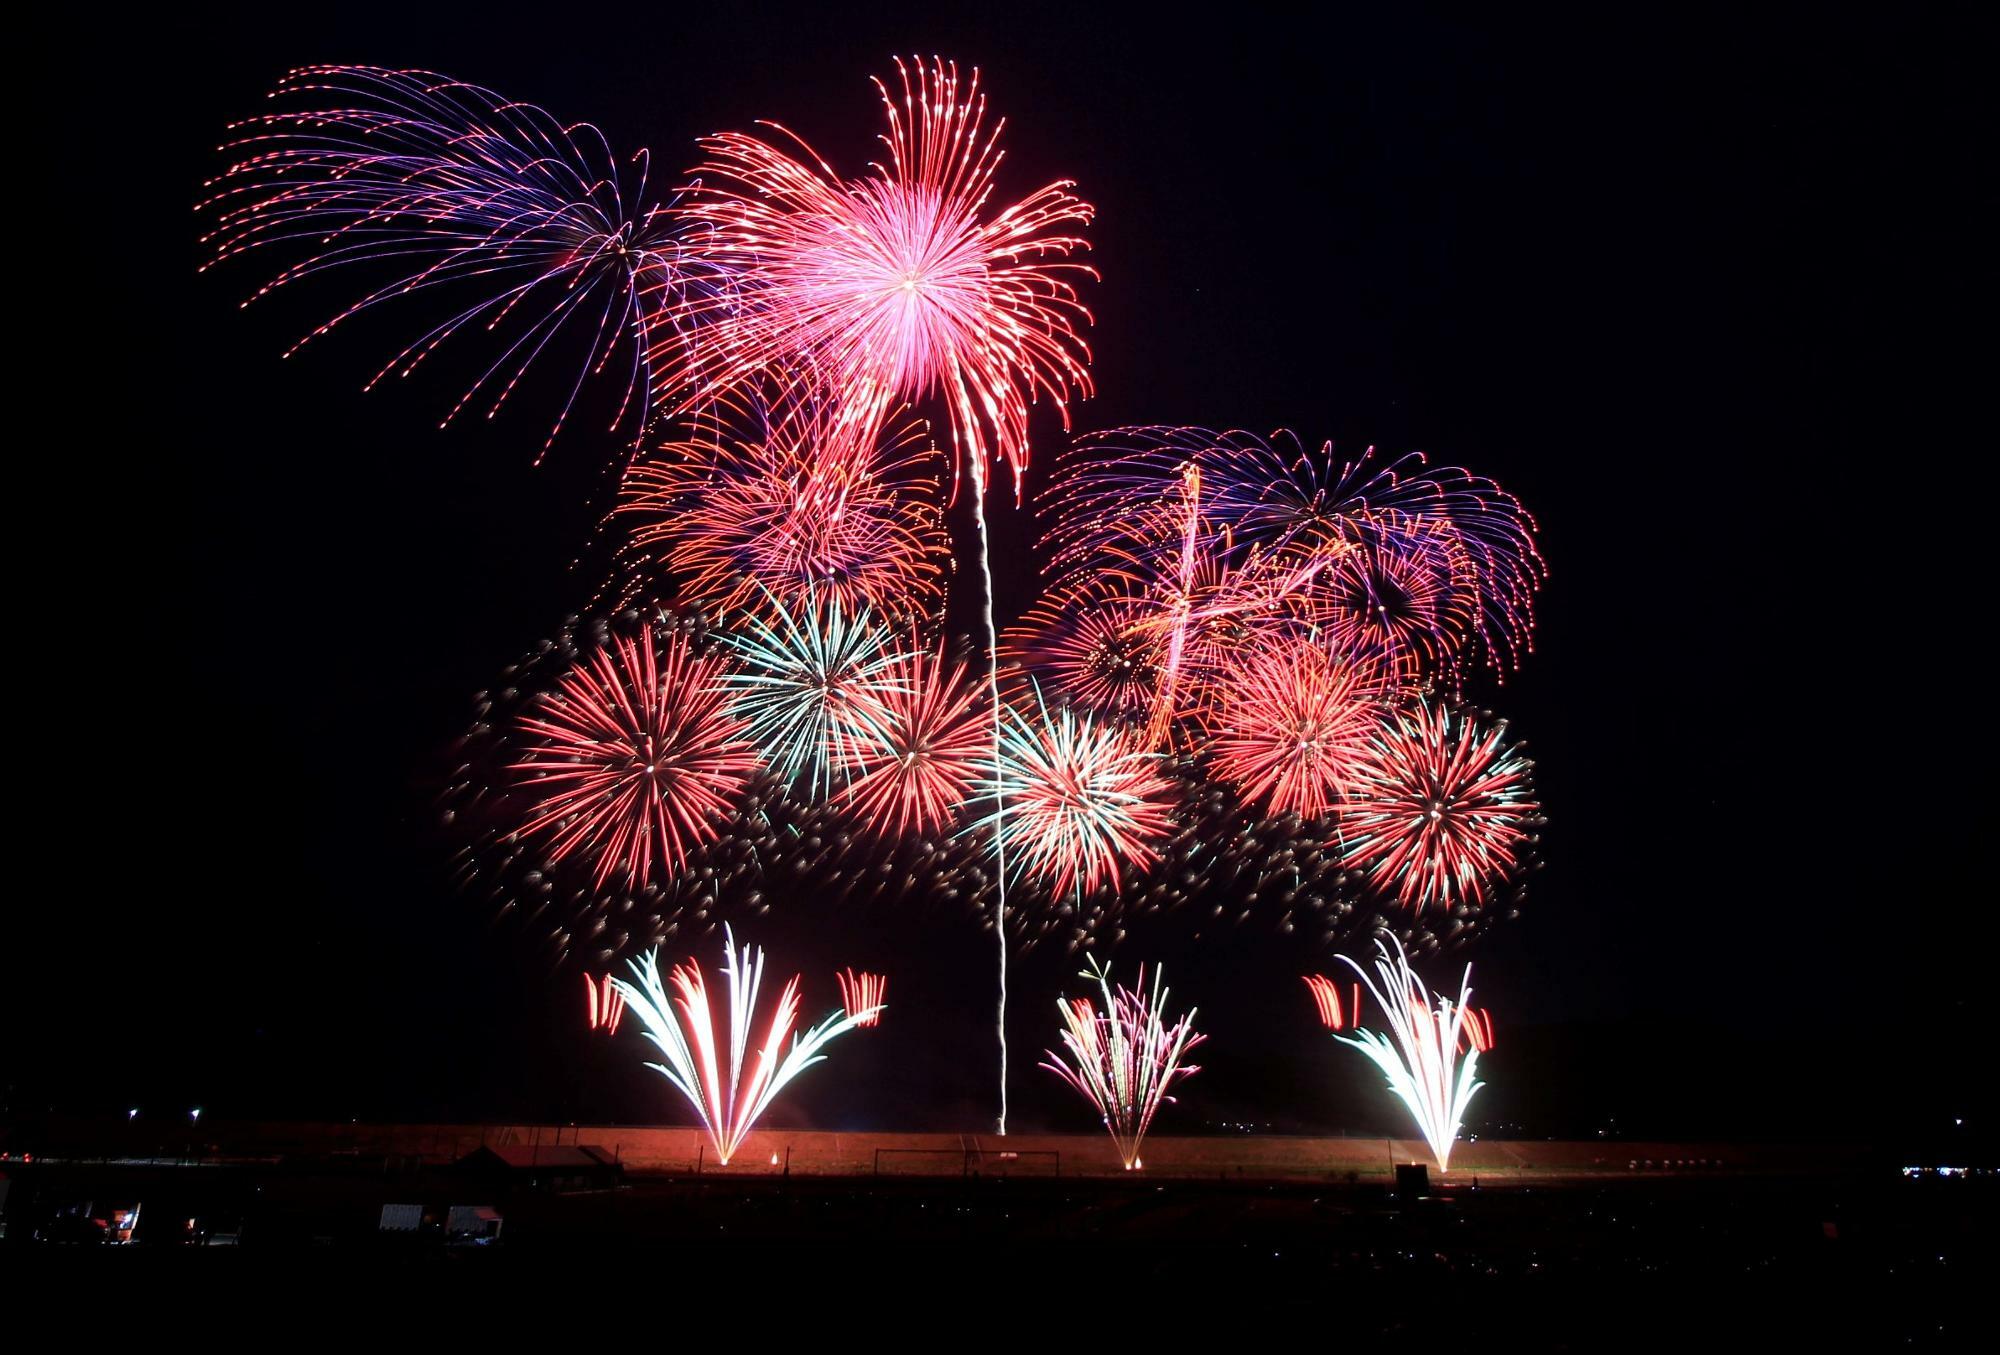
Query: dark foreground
[[1867, 1259]]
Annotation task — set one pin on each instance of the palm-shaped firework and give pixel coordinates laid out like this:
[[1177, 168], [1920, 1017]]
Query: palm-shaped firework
[[1422, 1063], [729, 1099], [1125, 1058]]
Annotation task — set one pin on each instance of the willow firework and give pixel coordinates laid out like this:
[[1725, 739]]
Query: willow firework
[[445, 187]]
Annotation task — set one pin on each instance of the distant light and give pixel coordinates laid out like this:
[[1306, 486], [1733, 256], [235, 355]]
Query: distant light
[[132, 1114], [195, 1114]]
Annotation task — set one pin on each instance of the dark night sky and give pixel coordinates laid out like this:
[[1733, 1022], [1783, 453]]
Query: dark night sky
[[1701, 294]]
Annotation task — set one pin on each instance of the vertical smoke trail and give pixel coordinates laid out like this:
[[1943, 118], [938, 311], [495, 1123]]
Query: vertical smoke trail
[[999, 795]]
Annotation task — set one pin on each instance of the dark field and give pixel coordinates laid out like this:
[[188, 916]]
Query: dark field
[[1860, 1260]]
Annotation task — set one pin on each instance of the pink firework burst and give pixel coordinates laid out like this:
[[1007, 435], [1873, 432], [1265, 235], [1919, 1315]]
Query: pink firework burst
[[1444, 811], [899, 285], [920, 748], [1083, 800], [1294, 726], [634, 757], [774, 506]]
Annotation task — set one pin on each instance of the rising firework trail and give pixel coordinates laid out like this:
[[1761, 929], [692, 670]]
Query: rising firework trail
[[1125, 1058], [1423, 1062], [710, 1073]]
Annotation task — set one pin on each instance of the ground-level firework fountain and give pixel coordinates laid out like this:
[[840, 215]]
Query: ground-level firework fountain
[[1432, 1060], [1125, 1057], [728, 1096]]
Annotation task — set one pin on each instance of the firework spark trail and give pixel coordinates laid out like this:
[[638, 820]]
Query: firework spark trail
[[1126, 1058], [999, 776], [861, 994], [603, 1003], [682, 1027], [1423, 1063]]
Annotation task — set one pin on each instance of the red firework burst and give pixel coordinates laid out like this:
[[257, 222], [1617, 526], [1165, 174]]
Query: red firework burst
[[779, 510], [634, 756], [1294, 726], [923, 741], [1443, 812], [1092, 646], [898, 285]]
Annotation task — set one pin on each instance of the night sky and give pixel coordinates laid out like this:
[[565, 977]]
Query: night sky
[[1701, 295]]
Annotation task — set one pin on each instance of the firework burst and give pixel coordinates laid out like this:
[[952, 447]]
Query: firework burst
[[1424, 1063], [683, 1028], [918, 748], [1430, 560], [1083, 801], [634, 758], [1443, 811], [1125, 1058], [811, 687], [1294, 727], [777, 508], [445, 187], [901, 284], [1092, 647]]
